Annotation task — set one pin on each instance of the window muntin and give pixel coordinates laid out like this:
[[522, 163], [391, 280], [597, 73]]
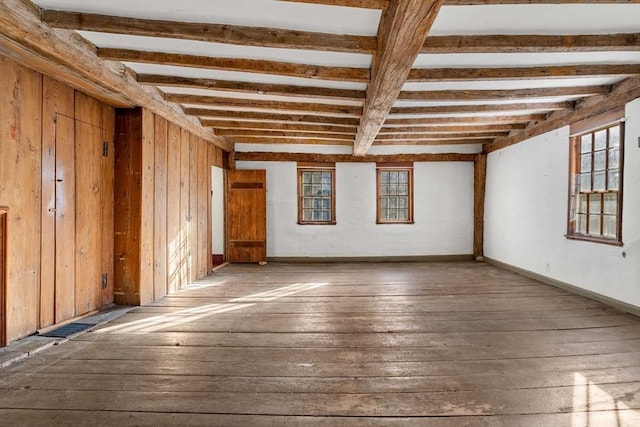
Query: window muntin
[[395, 194], [316, 194], [596, 185]]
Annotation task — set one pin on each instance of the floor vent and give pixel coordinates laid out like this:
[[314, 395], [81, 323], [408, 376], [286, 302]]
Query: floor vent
[[68, 330]]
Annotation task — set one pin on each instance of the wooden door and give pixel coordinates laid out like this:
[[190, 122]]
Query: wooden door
[[246, 215]]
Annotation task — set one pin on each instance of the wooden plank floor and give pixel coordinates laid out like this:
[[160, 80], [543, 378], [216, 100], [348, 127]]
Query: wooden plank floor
[[405, 344]]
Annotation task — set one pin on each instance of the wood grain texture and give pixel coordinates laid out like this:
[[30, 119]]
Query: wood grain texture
[[246, 215], [237, 64], [88, 158], [490, 119], [504, 94], [185, 222], [337, 158], [308, 127], [161, 202], [402, 30], [193, 208], [270, 117], [216, 101], [441, 109], [479, 185], [204, 196], [147, 206], [363, 344], [533, 43], [20, 190], [248, 87], [519, 73], [108, 197], [174, 230], [216, 33]]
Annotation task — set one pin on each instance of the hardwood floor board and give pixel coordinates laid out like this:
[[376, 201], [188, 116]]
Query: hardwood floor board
[[46, 418], [461, 403], [345, 344], [95, 350], [323, 385]]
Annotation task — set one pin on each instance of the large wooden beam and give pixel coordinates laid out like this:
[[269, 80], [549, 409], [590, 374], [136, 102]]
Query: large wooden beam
[[403, 28], [390, 130], [247, 87], [479, 184], [271, 117], [264, 105], [218, 33], [621, 93], [69, 59], [237, 64], [282, 134], [436, 136], [256, 156], [421, 121], [479, 108], [461, 141], [289, 140], [231, 124], [501, 94], [508, 43], [519, 73]]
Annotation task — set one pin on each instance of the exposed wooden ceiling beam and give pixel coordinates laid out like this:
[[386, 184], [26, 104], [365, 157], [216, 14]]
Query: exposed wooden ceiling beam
[[519, 73], [275, 117], [480, 108], [387, 130], [218, 33], [403, 28], [462, 141], [363, 4], [508, 43], [421, 121], [488, 95], [621, 93], [229, 124], [247, 87], [436, 136], [68, 58], [261, 104], [383, 4], [237, 64], [257, 156], [276, 140], [284, 134]]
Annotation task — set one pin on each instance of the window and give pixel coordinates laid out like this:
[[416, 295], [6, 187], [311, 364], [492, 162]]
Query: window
[[395, 193], [595, 204], [316, 193]]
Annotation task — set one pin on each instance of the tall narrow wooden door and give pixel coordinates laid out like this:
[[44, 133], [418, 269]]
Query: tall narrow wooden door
[[246, 215]]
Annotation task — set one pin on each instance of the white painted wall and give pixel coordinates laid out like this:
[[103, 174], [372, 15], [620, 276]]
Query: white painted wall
[[217, 209], [443, 213], [526, 216]]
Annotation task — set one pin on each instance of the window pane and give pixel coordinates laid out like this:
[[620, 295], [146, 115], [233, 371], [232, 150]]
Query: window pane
[[614, 136], [326, 216], [614, 158], [403, 189], [306, 177], [611, 203], [393, 177], [599, 181], [599, 160], [585, 146], [582, 203], [393, 189], [403, 202], [384, 190], [585, 182], [582, 224], [307, 202], [384, 177], [307, 215], [404, 177], [393, 202], [595, 206], [614, 179], [306, 191], [403, 215], [609, 226], [585, 163], [393, 214], [384, 202], [600, 140], [594, 225]]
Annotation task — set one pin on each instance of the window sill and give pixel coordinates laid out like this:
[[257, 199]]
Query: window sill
[[394, 222], [317, 223], [594, 239]]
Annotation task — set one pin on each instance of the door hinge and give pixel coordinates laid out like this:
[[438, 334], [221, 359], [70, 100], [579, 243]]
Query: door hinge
[[104, 281], [105, 149]]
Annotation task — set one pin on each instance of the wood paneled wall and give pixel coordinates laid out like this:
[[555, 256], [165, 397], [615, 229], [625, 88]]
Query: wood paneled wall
[[162, 211], [59, 190]]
